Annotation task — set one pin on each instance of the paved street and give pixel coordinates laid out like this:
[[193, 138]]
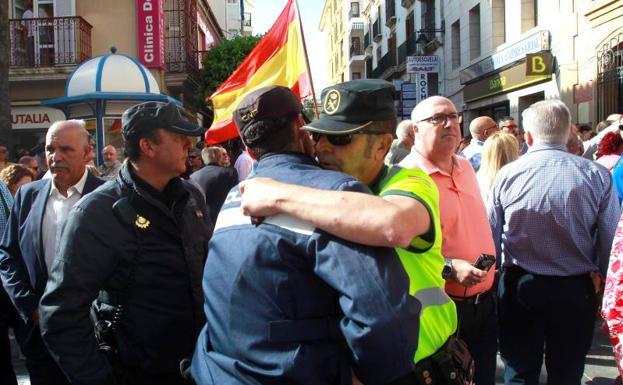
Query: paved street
[[600, 368]]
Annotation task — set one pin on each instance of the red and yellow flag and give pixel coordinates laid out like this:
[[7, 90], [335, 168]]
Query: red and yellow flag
[[278, 59]]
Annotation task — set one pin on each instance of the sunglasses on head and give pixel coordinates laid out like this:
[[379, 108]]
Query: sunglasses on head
[[342, 140]]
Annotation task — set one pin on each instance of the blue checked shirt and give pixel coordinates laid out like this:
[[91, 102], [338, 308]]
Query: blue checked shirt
[[6, 202], [553, 213]]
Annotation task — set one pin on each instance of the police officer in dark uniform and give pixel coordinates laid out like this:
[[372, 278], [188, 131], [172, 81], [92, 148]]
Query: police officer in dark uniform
[[287, 303], [137, 247]]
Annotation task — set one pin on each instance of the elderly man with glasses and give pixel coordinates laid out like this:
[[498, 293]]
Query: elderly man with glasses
[[464, 225]]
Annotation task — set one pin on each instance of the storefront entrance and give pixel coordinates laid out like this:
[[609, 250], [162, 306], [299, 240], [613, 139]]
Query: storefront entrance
[[495, 111]]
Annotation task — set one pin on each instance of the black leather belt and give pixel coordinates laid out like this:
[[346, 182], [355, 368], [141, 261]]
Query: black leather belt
[[473, 300]]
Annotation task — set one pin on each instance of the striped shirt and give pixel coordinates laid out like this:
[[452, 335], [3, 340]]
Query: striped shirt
[[553, 213], [6, 201]]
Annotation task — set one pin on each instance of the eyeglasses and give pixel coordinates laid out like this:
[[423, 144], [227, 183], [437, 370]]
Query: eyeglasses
[[341, 140], [443, 118]]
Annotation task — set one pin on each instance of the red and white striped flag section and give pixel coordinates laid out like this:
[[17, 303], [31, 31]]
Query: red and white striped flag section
[[278, 59]]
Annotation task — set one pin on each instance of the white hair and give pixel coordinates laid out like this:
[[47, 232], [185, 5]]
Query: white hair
[[548, 122], [402, 131], [78, 122]]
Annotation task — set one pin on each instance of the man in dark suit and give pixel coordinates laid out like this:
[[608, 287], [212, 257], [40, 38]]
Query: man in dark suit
[[215, 179], [28, 245]]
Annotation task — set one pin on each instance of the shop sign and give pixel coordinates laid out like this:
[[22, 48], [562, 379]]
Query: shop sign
[[536, 42], [426, 64], [503, 81], [408, 96], [33, 117], [539, 63], [150, 32], [422, 85]]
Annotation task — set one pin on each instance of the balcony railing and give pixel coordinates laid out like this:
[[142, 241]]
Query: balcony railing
[[387, 61], [181, 36], [390, 12], [50, 41], [376, 31], [355, 50], [408, 48]]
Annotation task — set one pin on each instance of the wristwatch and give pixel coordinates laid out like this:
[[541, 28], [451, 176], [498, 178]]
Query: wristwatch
[[446, 272]]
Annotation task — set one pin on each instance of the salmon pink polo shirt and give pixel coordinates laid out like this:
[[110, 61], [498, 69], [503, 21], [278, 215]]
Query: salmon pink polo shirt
[[464, 223]]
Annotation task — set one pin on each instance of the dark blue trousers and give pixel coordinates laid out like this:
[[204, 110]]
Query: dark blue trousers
[[8, 318], [478, 327], [42, 369], [545, 314]]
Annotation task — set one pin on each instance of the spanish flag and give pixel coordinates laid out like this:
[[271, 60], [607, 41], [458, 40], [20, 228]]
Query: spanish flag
[[278, 59]]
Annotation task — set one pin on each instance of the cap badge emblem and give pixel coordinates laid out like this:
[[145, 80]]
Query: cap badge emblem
[[141, 222], [332, 102], [247, 116]]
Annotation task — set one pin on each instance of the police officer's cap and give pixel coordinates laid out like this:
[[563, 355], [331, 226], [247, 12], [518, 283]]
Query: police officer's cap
[[152, 115], [264, 103], [352, 106]]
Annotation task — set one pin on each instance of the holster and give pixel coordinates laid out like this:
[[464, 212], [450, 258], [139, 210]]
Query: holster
[[452, 364], [105, 337]]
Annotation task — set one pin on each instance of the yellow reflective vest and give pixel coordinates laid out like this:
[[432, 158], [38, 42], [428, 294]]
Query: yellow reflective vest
[[423, 261]]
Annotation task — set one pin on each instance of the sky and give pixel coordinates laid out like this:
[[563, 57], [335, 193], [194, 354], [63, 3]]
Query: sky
[[267, 11]]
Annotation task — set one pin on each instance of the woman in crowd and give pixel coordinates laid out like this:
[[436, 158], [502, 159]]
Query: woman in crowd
[[16, 175], [610, 149], [499, 149], [612, 307]]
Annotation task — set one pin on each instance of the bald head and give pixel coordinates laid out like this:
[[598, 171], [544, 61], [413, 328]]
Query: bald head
[[482, 127], [436, 124], [423, 109]]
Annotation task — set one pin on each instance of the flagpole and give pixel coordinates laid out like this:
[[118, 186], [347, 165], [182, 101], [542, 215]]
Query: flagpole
[[311, 83]]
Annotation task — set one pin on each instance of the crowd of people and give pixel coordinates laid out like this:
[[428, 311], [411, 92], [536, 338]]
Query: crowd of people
[[350, 249]]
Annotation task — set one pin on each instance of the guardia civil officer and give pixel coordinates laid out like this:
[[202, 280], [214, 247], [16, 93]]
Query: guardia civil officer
[[290, 304], [137, 246]]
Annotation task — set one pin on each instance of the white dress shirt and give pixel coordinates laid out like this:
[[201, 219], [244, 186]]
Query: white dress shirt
[[56, 210]]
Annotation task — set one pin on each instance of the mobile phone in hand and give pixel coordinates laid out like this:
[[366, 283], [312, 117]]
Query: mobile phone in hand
[[484, 262]]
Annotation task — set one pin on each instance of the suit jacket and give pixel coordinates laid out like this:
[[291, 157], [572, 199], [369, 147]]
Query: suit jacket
[[215, 182], [22, 263]]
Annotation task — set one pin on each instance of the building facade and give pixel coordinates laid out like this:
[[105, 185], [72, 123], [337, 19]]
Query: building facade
[[375, 38], [50, 38], [234, 16], [495, 57]]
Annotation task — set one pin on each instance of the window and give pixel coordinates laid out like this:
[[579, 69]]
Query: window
[[498, 15], [410, 24], [232, 1], [428, 14], [356, 75], [354, 9], [528, 14], [378, 55], [474, 32], [455, 35]]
